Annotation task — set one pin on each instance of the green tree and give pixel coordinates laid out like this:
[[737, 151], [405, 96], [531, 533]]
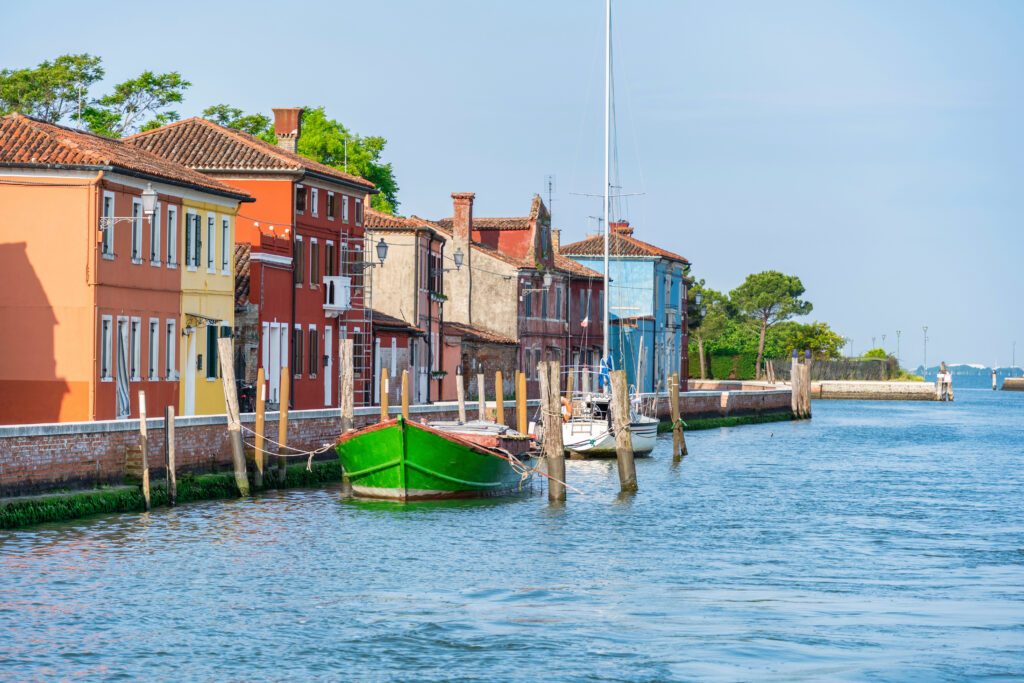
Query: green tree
[[709, 320], [768, 298], [786, 337], [125, 110], [52, 90], [258, 125], [877, 353], [325, 140]]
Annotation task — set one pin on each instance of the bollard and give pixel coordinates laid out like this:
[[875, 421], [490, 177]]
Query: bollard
[[261, 425], [384, 394], [522, 419], [481, 396], [460, 393], [405, 394], [499, 398]]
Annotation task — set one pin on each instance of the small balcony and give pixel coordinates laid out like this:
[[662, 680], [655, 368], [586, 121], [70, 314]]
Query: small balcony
[[337, 295]]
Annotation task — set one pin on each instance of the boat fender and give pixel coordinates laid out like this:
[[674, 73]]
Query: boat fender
[[566, 409]]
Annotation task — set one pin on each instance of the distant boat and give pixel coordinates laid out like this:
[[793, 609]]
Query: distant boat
[[402, 460], [591, 434]]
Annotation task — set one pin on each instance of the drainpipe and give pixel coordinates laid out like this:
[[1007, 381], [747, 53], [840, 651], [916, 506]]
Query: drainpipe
[[91, 278], [291, 322]]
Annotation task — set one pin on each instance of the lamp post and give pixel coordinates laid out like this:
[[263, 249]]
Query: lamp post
[[898, 333], [382, 253], [925, 365]]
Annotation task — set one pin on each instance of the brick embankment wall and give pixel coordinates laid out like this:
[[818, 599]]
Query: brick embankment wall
[[35, 458], [1013, 384], [875, 391]]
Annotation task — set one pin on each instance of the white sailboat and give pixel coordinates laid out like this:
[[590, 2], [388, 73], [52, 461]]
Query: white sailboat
[[587, 425]]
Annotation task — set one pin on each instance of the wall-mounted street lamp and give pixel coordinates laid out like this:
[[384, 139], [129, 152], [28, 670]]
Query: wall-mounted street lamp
[[149, 197], [546, 284], [273, 231], [382, 253]]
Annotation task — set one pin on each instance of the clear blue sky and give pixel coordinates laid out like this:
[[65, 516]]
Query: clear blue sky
[[873, 148]]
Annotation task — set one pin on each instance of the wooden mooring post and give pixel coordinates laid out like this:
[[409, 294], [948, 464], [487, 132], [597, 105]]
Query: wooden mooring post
[[261, 425], [678, 438], [499, 398], [172, 477], [805, 386], [460, 394], [282, 423], [348, 398], [481, 396], [227, 375], [384, 408], [623, 441], [144, 444], [554, 451], [522, 419], [348, 401], [794, 385], [405, 394]]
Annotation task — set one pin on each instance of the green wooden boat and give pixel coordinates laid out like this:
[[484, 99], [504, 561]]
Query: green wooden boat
[[402, 460]]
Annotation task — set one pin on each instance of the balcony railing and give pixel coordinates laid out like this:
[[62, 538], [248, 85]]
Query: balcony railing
[[337, 294]]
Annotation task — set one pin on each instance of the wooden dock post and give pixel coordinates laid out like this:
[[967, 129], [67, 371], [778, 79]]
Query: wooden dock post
[[384, 408], [348, 401], [227, 375], [522, 419], [623, 441], [405, 394], [481, 395], [499, 398], [172, 477], [554, 452], [144, 443], [460, 393], [282, 424], [348, 398], [261, 425], [794, 385], [678, 438], [805, 386]]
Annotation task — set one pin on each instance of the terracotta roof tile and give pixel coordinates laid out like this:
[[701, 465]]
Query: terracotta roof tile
[[378, 220], [207, 146], [476, 334], [619, 245], [389, 322], [566, 264], [242, 252], [25, 141]]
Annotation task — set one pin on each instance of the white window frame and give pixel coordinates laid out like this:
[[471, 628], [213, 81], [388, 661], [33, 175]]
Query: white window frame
[[171, 352], [154, 349], [225, 245], [106, 348], [305, 255], [309, 257], [314, 201], [191, 264], [315, 365], [172, 237], [154, 237], [330, 196], [107, 240], [136, 231], [344, 208], [211, 242], [135, 346]]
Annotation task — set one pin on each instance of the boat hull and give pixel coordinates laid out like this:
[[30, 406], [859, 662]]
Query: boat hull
[[592, 438], [400, 460]]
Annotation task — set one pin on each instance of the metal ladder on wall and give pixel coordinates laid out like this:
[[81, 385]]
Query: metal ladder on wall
[[358, 320]]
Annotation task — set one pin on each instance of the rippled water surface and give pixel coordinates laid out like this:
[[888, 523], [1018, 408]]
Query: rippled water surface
[[878, 541]]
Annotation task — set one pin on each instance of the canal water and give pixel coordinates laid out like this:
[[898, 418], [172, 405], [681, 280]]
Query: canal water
[[877, 541]]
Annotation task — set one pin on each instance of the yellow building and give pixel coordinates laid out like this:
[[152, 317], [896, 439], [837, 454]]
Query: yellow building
[[207, 300]]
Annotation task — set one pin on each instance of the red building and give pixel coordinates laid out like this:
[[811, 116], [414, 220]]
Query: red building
[[307, 287]]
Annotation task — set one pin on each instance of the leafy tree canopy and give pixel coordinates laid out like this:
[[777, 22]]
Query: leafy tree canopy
[[770, 297], [59, 90], [877, 353], [325, 140]]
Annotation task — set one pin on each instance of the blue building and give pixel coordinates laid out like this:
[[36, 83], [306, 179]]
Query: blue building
[[647, 297]]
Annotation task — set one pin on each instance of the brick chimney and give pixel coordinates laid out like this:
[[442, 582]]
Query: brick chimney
[[287, 125], [459, 284], [621, 228], [556, 240]]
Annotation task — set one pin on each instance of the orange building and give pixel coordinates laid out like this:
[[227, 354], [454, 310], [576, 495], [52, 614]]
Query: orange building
[[91, 295]]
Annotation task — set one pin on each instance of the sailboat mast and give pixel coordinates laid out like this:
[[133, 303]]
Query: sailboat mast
[[607, 116]]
